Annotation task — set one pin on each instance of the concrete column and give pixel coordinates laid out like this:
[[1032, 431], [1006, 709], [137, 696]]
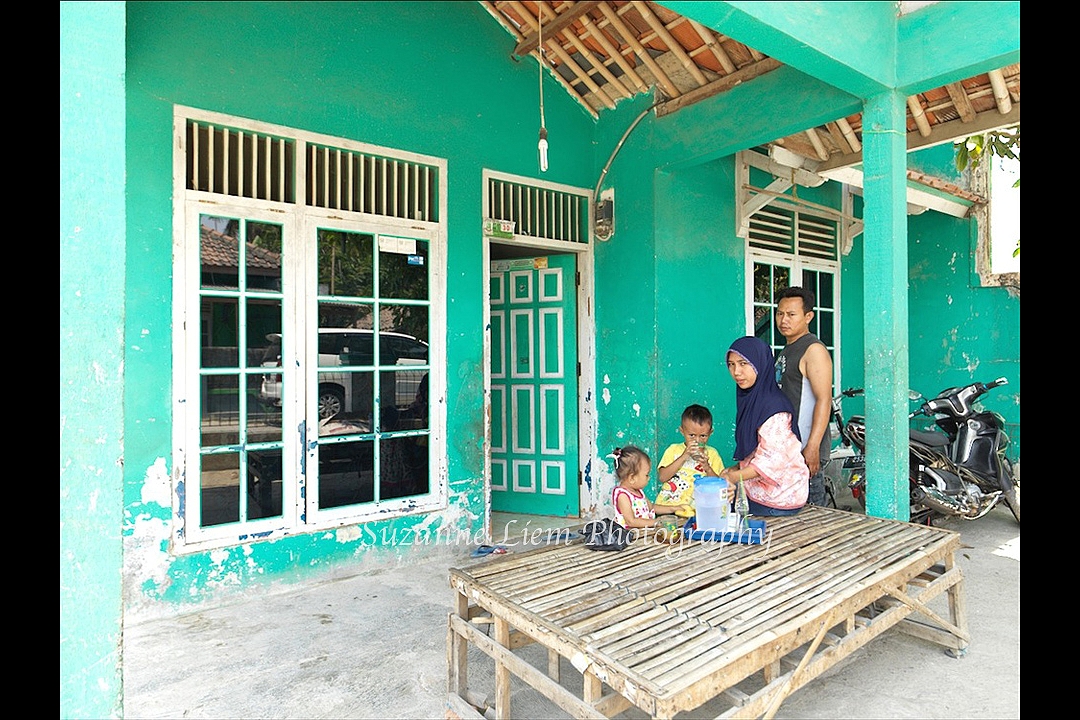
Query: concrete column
[[885, 320]]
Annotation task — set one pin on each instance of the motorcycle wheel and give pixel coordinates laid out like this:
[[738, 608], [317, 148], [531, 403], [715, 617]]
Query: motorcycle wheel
[[1010, 488]]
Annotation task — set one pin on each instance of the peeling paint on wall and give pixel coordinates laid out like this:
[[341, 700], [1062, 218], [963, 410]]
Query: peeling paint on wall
[[146, 563], [637, 409], [156, 485], [347, 534], [606, 395]]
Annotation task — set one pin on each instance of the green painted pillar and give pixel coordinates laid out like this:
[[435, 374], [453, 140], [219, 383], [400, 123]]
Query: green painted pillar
[[92, 222], [885, 320]]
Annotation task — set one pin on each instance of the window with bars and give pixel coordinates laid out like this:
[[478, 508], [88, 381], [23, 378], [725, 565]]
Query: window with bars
[[540, 211], [787, 247], [223, 160], [310, 294]]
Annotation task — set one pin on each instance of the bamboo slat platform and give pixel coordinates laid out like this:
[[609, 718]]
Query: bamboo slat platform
[[669, 628]]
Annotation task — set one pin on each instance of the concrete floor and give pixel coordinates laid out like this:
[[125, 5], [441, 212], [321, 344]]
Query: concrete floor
[[373, 645]]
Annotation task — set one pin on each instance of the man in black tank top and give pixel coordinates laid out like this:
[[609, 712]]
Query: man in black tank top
[[804, 372]]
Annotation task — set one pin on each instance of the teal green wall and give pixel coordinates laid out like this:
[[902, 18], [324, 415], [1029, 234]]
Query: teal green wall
[[668, 286], [400, 75], [393, 74], [959, 331], [91, 357]]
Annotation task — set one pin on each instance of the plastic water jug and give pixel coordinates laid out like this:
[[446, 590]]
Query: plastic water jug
[[711, 503]]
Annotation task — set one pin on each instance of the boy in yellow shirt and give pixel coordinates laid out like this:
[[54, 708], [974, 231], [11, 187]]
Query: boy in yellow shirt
[[694, 457]]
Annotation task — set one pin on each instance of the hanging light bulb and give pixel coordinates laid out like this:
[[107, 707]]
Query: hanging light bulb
[[543, 147]]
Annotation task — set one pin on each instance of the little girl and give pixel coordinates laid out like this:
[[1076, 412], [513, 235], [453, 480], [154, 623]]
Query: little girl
[[632, 508]]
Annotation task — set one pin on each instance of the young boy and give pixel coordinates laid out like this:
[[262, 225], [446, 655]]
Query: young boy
[[684, 461]]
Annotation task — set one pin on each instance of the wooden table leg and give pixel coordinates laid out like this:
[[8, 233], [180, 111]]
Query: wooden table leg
[[502, 673], [957, 609], [458, 651]]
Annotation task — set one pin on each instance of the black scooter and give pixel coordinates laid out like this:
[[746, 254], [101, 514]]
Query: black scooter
[[958, 469]]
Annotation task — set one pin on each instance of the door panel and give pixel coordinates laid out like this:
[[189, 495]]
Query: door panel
[[534, 405]]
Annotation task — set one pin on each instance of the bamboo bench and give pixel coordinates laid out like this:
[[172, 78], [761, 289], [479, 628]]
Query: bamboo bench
[[670, 628]]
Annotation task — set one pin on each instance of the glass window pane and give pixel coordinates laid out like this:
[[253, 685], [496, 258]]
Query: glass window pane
[[219, 489], [346, 472], [262, 256], [264, 484], [342, 394], [220, 410], [345, 264], [264, 408], [410, 321], [219, 252], [337, 317], [826, 327], [762, 283], [219, 334], [825, 291], [403, 268], [402, 467], [781, 280], [414, 416]]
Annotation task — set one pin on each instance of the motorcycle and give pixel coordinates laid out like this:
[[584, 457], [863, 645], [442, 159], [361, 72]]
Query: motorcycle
[[958, 468], [846, 466]]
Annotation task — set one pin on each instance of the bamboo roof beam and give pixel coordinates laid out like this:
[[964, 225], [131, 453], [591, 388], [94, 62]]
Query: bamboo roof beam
[[601, 68], [670, 89], [718, 86], [564, 56], [580, 73], [561, 22], [517, 34], [837, 137], [1001, 91], [918, 115], [613, 52], [673, 45], [819, 147], [849, 135], [713, 43], [961, 101]]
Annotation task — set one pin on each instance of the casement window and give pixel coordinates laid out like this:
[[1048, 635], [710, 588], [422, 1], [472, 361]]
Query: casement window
[[308, 333], [789, 242], [791, 247]]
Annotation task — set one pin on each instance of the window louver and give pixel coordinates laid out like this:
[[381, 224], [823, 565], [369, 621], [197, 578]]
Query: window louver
[[240, 163], [243, 163], [539, 212], [781, 230], [360, 182]]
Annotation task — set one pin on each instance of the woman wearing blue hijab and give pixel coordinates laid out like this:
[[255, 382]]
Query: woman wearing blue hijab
[[767, 446]]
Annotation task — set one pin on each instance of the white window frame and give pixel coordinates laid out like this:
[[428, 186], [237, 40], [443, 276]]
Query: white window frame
[[297, 220], [750, 200], [984, 213], [796, 267]]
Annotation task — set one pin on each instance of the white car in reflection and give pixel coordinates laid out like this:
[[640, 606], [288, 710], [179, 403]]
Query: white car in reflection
[[342, 392]]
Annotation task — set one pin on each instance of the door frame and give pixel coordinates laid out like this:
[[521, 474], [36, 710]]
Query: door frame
[[586, 343]]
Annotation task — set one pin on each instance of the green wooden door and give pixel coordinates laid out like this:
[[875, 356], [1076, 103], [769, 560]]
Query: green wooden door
[[534, 435]]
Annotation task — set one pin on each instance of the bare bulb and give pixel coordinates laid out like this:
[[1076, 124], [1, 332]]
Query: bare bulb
[[543, 147]]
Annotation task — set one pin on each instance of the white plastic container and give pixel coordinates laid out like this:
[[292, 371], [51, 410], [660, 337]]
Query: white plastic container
[[711, 504]]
